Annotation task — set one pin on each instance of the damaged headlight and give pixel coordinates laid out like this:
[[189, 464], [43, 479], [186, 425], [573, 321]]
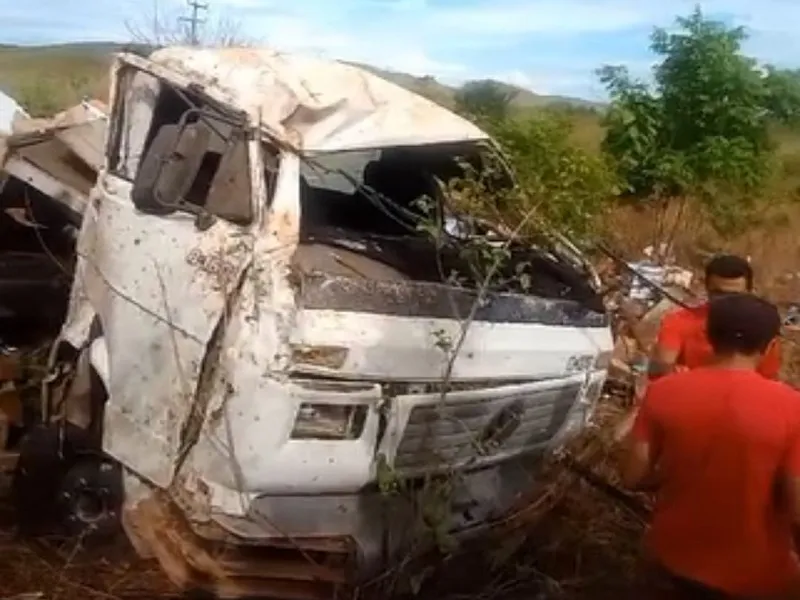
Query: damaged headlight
[[329, 421]]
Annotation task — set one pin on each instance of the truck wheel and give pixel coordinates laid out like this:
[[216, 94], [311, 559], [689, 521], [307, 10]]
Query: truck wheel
[[61, 484], [43, 455], [90, 499]]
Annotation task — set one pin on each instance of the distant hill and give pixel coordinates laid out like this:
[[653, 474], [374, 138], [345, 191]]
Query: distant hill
[[26, 70], [430, 87]]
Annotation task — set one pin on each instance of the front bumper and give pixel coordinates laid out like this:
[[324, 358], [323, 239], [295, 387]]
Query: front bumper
[[384, 527], [324, 547], [306, 545]]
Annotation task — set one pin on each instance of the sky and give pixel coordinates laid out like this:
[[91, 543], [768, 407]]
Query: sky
[[548, 46]]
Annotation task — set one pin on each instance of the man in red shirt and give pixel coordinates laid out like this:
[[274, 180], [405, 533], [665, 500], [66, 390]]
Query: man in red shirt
[[682, 341], [720, 445]]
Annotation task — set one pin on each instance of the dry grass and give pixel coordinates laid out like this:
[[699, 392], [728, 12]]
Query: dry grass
[[47, 80], [771, 243], [574, 541]]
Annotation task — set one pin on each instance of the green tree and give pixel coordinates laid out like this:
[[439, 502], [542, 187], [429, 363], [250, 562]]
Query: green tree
[[485, 99], [563, 185], [783, 94], [701, 128]]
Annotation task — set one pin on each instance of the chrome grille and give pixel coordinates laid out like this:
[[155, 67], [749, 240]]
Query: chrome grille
[[453, 432]]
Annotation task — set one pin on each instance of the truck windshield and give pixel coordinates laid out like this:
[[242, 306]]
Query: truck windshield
[[338, 189]]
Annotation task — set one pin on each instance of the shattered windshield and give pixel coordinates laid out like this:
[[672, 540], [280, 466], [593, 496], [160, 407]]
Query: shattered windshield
[[379, 190]]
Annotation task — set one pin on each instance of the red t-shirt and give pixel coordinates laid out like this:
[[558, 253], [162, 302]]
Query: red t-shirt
[[721, 438], [684, 331]]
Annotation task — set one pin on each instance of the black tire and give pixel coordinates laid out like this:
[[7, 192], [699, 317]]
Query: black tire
[[143, 193], [57, 465], [44, 456], [90, 499]]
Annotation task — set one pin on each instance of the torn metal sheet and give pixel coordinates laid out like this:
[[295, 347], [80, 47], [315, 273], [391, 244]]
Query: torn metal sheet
[[313, 104], [81, 129], [60, 157]]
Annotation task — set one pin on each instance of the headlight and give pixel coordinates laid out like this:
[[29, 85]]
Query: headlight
[[329, 421]]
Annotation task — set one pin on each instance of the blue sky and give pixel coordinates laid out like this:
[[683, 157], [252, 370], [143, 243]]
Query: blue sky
[[549, 46]]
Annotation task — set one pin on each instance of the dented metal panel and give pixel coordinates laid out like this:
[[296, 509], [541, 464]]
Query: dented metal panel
[[86, 140], [59, 157], [385, 347], [73, 199], [312, 104], [159, 288], [438, 301]]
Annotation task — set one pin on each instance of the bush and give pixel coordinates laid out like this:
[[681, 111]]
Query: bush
[[569, 187], [559, 184]]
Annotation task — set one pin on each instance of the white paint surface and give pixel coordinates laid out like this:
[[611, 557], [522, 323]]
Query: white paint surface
[[159, 287]]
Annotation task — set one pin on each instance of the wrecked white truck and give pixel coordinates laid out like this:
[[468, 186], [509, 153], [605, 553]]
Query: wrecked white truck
[[254, 333]]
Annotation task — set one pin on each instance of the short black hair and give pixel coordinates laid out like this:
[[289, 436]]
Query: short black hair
[[742, 324], [730, 266]]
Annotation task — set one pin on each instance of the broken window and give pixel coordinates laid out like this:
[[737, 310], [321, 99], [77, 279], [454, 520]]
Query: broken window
[[346, 230], [181, 150], [382, 204], [335, 188]]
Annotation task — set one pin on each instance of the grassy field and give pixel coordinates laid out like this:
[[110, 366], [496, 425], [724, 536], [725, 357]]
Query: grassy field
[[50, 78]]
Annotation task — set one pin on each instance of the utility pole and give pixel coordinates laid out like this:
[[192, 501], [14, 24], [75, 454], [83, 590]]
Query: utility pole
[[194, 20]]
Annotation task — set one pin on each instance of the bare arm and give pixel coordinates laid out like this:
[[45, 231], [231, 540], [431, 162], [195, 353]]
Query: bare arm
[[639, 468], [662, 361], [668, 347], [639, 471]]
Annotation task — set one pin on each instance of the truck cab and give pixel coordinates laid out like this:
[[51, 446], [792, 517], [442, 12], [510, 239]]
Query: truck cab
[[273, 356]]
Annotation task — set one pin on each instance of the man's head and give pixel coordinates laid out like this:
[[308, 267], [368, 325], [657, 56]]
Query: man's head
[[741, 324], [728, 273]]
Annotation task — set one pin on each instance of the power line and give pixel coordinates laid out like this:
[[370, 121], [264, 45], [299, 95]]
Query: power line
[[194, 21]]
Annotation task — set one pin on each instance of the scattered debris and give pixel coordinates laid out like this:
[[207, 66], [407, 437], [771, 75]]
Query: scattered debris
[[58, 158]]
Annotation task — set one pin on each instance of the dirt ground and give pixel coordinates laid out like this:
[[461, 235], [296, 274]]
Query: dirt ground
[[573, 542]]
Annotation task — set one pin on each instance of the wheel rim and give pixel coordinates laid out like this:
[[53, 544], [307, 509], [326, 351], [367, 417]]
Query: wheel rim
[[88, 505]]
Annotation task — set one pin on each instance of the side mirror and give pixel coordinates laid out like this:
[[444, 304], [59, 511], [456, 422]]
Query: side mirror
[[169, 168], [201, 168], [229, 192]]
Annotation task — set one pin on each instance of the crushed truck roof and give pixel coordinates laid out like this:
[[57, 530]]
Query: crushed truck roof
[[318, 105]]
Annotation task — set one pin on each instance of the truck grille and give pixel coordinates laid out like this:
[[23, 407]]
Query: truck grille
[[454, 432]]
